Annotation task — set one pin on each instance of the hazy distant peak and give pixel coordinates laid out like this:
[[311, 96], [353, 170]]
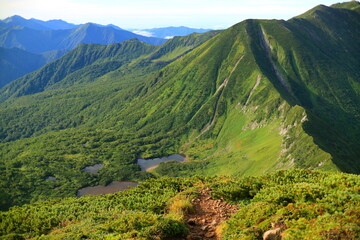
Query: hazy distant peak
[[13, 18], [55, 24], [114, 26], [17, 20], [103, 26], [33, 23]]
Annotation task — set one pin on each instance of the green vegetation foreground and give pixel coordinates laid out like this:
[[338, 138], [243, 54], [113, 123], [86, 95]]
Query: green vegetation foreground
[[302, 204]]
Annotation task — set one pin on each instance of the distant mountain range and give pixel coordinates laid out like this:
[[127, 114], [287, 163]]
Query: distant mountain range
[[38, 42], [38, 24], [38, 36]]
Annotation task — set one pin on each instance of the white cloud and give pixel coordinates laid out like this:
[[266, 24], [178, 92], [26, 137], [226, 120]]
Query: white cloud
[[143, 33]]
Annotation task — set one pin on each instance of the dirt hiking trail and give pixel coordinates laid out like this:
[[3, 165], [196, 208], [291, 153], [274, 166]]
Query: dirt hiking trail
[[208, 214]]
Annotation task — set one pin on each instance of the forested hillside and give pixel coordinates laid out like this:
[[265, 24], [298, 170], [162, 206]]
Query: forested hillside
[[69, 113]]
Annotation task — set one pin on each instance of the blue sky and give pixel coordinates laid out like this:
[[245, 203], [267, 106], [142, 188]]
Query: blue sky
[[158, 13]]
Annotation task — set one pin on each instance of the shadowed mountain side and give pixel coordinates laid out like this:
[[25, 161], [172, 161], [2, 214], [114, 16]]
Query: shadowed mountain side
[[15, 63]]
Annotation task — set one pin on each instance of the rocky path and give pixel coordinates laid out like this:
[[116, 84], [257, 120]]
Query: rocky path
[[207, 216]]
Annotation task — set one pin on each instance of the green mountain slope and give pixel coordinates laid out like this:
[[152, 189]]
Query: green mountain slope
[[80, 102], [218, 97], [82, 56], [263, 95], [118, 65], [260, 96]]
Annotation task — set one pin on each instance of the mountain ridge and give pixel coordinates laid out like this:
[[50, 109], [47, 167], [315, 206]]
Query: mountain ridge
[[45, 40], [51, 44], [17, 20], [53, 38]]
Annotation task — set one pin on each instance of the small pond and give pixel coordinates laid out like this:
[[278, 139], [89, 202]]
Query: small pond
[[149, 164], [93, 169], [113, 187], [51, 178]]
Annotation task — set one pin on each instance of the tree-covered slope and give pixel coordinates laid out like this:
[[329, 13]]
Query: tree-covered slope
[[118, 65], [84, 55], [260, 96], [81, 102]]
